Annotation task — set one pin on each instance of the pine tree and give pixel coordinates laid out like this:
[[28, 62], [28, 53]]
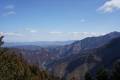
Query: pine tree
[[88, 76], [1, 42], [73, 78], [102, 74], [116, 71]]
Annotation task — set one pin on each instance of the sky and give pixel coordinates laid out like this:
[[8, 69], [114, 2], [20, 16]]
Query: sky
[[57, 20]]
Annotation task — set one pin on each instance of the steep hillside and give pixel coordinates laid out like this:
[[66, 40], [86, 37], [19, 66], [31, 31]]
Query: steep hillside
[[77, 65], [87, 43]]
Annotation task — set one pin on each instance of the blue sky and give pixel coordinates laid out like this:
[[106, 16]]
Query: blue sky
[[57, 20]]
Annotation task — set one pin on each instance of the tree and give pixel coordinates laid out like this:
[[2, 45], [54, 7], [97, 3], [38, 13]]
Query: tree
[[14, 67], [1, 42], [73, 78], [11, 65], [102, 74], [88, 76], [116, 71]]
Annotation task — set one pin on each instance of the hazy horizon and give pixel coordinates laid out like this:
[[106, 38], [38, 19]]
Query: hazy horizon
[[58, 40]]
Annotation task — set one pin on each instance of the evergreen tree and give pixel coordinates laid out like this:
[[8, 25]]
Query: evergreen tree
[[73, 78], [88, 76], [1, 42], [14, 67], [116, 71], [102, 74]]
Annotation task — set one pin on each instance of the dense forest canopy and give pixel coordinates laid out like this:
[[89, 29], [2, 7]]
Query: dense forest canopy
[[14, 67]]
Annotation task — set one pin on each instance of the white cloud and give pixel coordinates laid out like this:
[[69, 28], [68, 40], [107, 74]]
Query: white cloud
[[87, 33], [73, 35], [31, 30], [9, 10], [12, 34], [81, 35], [8, 13], [53, 36], [82, 20], [10, 7], [55, 32], [110, 6]]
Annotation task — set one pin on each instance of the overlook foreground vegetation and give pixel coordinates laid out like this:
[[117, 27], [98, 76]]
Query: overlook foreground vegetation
[[14, 67]]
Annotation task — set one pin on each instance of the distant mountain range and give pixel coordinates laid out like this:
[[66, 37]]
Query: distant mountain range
[[38, 43], [74, 58]]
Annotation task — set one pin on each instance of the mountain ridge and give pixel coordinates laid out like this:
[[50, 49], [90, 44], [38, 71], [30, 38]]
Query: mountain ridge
[[89, 61]]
